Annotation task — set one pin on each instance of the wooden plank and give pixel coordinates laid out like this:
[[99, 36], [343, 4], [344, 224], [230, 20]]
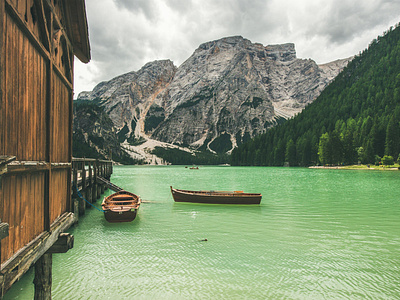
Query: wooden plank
[[5, 218], [46, 203], [23, 167], [21, 8], [4, 84], [24, 211], [19, 199], [42, 98], [11, 221], [22, 25], [29, 224], [39, 203], [10, 84], [2, 75], [49, 105], [30, 73], [19, 117], [21, 97], [34, 87], [6, 244]]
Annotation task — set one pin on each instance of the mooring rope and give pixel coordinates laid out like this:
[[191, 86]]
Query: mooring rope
[[80, 196]]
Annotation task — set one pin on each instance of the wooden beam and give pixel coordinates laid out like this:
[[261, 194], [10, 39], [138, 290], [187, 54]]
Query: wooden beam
[[57, 21], [34, 166], [2, 77], [63, 244], [27, 166], [13, 269], [62, 77]]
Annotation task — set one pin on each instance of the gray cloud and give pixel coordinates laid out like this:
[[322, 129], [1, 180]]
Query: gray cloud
[[126, 34], [146, 7], [349, 19]]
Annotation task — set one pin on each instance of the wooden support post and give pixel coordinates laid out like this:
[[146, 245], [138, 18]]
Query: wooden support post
[[90, 165], [93, 182], [43, 277], [97, 169], [83, 176], [99, 191], [76, 209], [46, 211], [82, 206], [75, 178], [88, 194]]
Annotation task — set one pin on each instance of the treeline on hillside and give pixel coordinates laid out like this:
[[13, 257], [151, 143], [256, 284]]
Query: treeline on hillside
[[356, 118], [179, 157]]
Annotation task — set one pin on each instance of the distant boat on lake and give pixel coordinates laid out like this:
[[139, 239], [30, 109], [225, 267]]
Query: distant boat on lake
[[121, 207], [215, 197]]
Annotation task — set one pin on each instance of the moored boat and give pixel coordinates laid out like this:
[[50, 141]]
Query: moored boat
[[121, 207], [215, 197]]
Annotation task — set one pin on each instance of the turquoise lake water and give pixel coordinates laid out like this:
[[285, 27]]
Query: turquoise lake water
[[318, 234]]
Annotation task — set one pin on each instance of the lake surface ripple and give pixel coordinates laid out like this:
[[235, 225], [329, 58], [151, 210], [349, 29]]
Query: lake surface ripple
[[318, 234]]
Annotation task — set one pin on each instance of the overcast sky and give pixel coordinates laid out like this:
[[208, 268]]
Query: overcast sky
[[126, 34]]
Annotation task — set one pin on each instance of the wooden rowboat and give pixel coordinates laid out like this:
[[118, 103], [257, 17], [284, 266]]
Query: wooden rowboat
[[215, 197], [121, 207]]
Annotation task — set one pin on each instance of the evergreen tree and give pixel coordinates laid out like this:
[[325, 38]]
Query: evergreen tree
[[360, 108], [290, 154], [324, 149], [392, 138]]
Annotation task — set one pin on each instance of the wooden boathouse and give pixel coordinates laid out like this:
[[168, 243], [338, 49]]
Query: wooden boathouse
[[39, 39]]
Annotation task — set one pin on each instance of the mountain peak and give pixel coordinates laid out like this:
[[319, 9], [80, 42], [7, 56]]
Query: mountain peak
[[231, 41], [227, 91]]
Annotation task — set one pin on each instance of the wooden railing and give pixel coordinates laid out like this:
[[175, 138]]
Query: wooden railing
[[84, 180]]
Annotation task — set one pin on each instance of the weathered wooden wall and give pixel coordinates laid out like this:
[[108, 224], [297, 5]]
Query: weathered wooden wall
[[24, 194], [38, 41], [36, 77]]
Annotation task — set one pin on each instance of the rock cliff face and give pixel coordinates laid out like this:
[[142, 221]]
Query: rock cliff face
[[95, 136], [228, 91]]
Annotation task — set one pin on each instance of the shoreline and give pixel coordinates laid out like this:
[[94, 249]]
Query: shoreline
[[357, 167]]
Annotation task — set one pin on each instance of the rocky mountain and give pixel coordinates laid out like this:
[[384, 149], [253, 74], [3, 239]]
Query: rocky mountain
[[95, 136], [228, 91]]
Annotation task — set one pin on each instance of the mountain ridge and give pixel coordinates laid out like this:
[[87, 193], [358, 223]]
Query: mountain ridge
[[228, 91]]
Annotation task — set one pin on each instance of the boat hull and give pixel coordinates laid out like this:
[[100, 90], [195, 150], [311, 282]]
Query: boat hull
[[121, 207], [118, 217], [212, 197]]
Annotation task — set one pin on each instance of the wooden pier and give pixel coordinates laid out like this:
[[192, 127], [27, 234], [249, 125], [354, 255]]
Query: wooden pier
[[90, 177]]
